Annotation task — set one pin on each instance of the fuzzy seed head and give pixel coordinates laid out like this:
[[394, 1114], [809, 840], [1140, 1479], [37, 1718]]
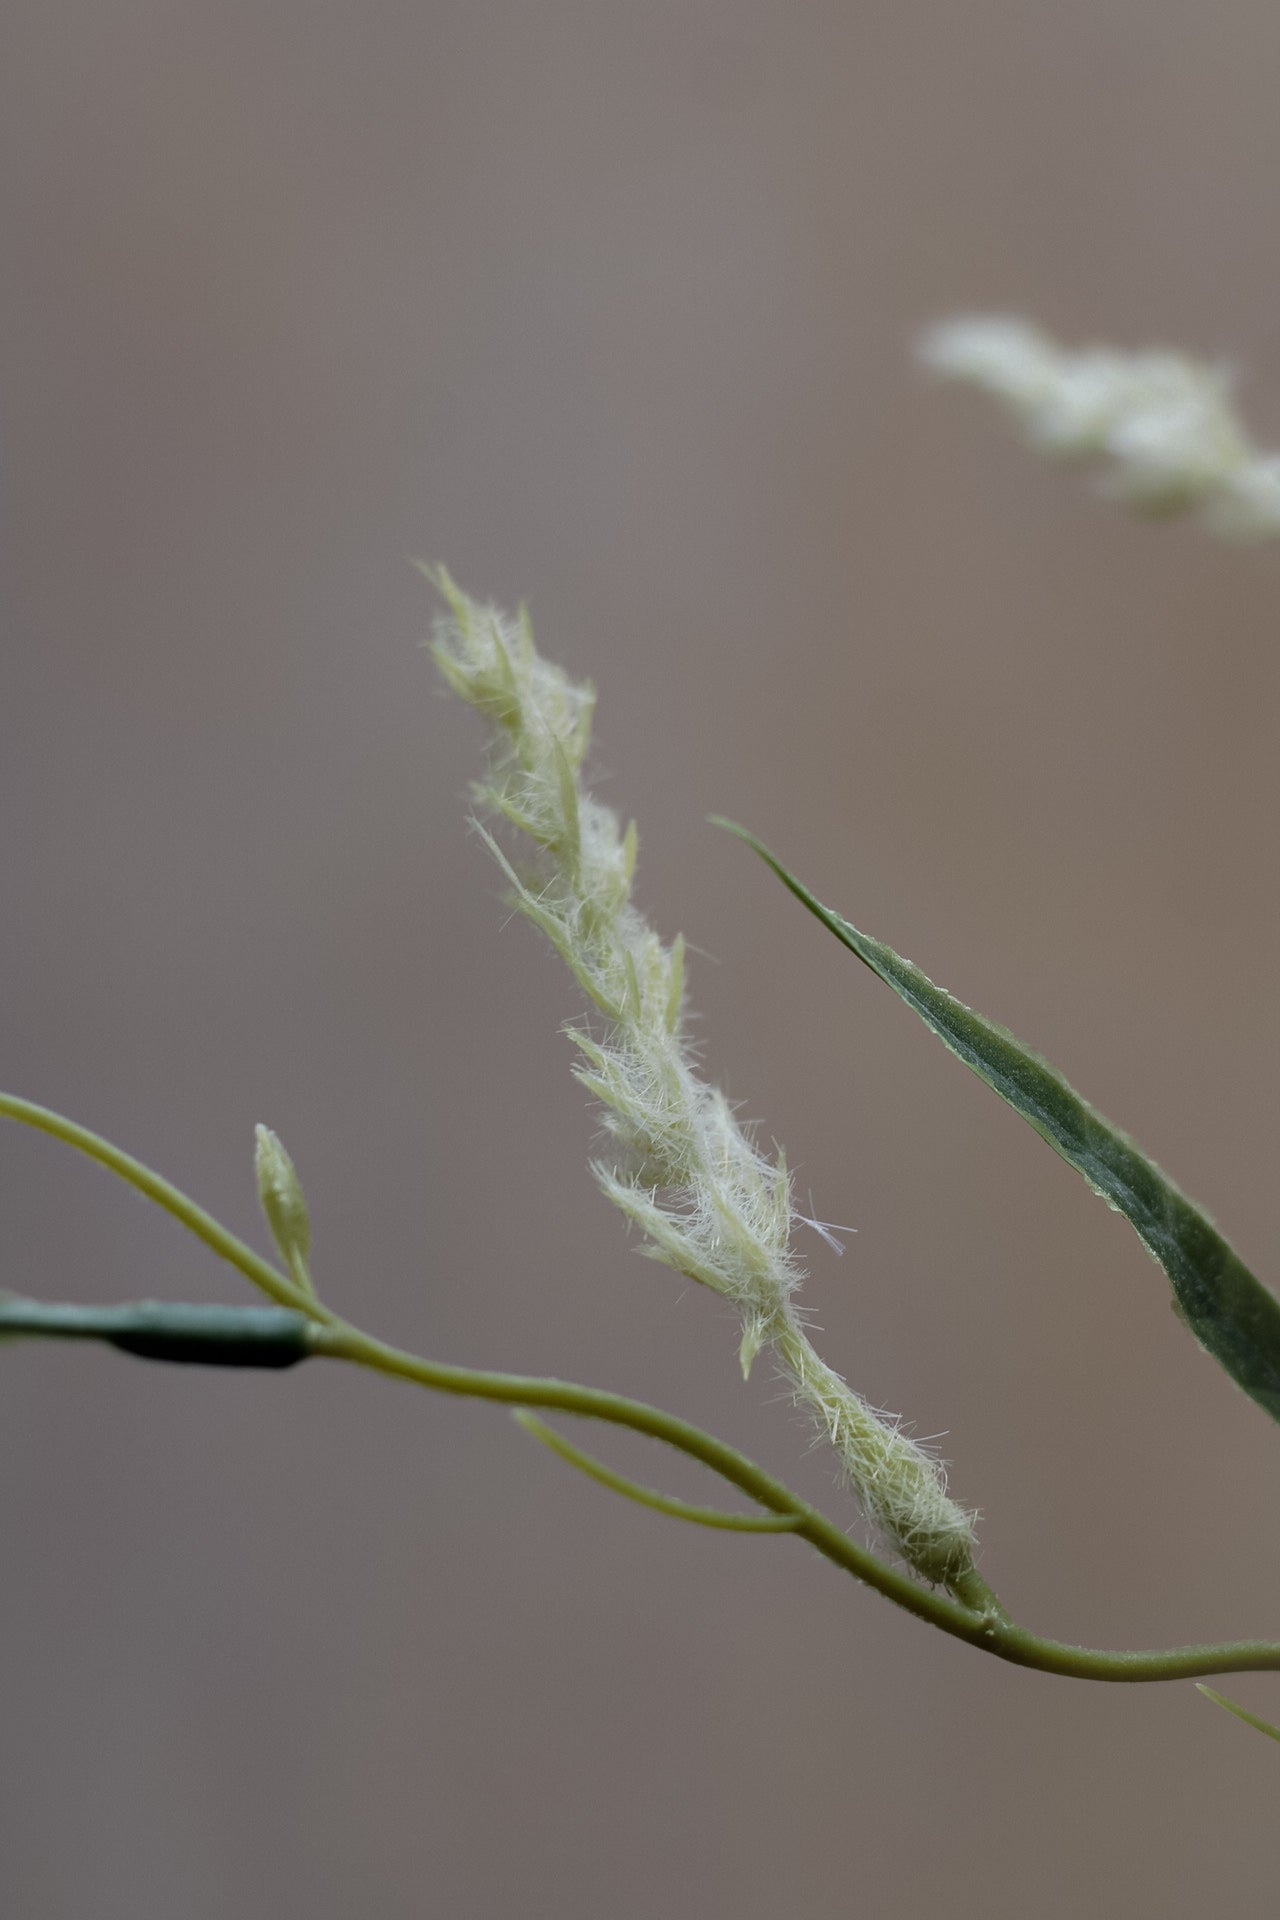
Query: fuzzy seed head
[[680, 1167], [1160, 426]]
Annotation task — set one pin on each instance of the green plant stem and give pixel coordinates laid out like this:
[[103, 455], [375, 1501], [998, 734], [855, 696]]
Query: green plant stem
[[595, 1469], [203, 1334], [984, 1624], [340, 1341], [194, 1218], [974, 1615], [1241, 1713]]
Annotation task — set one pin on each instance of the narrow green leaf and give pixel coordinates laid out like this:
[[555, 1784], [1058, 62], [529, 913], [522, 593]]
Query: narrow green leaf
[[210, 1336], [1229, 1311], [1250, 1719]]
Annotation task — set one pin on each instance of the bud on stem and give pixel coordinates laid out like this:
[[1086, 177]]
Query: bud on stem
[[284, 1205]]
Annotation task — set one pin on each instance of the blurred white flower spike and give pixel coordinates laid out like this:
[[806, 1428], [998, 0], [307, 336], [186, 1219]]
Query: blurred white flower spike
[[1161, 426]]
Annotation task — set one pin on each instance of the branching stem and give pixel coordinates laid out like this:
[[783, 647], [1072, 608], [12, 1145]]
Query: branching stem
[[194, 1218], [972, 1614], [983, 1623]]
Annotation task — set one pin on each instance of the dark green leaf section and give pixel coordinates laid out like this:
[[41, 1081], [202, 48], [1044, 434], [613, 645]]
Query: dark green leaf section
[[207, 1336], [1229, 1311]]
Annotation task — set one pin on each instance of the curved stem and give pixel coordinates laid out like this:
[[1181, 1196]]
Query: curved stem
[[338, 1340], [194, 1218], [974, 1615], [983, 1624], [648, 1496]]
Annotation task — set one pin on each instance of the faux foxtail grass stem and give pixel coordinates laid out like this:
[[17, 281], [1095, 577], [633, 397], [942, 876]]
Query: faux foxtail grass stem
[[976, 1616]]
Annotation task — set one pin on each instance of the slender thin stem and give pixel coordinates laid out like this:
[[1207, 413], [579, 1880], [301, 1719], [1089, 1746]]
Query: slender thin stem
[[595, 1469], [974, 1615], [983, 1624], [338, 1340], [255, 1269], [1241, 1713]]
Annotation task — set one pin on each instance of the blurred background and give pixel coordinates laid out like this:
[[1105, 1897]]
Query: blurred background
[[611, 307]]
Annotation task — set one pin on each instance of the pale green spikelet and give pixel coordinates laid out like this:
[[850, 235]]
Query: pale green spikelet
[[682, 1169]]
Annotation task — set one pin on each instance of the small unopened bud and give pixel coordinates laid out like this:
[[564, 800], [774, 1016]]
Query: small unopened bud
[[280, 1192]]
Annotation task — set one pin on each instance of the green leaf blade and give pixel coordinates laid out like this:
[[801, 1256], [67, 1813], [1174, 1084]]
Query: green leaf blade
[[1228, 1310]]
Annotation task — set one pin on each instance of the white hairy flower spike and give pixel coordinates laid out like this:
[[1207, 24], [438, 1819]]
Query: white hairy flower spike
[[1161, 425], [682, 1169]]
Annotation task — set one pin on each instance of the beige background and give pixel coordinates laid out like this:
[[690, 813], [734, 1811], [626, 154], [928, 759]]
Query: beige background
[[609, 306]]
